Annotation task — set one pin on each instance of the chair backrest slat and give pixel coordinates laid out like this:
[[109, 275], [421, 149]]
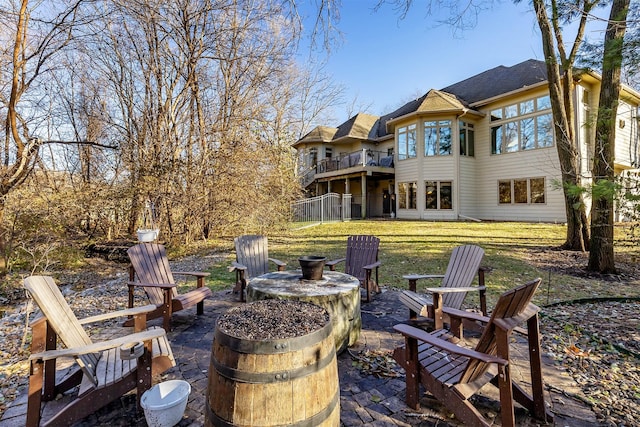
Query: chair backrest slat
[[151, 265], [514, 306], [61, 318], [252, 251], [361, 250], [463, 266]]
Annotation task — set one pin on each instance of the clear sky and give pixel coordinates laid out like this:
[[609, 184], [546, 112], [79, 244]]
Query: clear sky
[[385, 61]]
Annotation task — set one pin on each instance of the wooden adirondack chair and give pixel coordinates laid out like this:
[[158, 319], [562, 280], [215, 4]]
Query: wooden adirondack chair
[[464, 263], [361, 260], [453, 373], [101, 374], [150, 269], [252, 260]]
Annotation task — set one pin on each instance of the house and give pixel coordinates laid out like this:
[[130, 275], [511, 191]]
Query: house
[[482, 148]]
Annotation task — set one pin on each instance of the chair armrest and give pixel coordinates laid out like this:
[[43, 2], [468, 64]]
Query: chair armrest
[[372, 266], [120, 313], [235, 265], [446, 290], [333, 263], [153, 285], [463, 314], [277, 262], [422, 276], [421, 335], [193, 273], [99, 346]]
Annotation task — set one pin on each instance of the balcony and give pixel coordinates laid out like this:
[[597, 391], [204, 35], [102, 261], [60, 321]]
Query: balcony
[[358, 159]]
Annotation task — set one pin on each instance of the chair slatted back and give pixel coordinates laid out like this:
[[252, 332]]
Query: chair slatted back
[[463, 266], [252, 251], [64, 322], [513, 307], [150, 262], [361, 250]]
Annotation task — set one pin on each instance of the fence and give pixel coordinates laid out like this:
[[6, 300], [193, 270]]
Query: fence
[[329, 207]]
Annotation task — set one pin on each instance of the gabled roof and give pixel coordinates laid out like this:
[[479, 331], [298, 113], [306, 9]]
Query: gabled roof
[[318, 134], [359, 126], [498, 81]]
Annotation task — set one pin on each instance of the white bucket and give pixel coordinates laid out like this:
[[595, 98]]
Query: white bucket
[[164, 403], [146, 235]]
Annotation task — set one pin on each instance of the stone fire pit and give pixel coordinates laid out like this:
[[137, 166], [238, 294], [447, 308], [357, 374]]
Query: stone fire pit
[[338, 293]]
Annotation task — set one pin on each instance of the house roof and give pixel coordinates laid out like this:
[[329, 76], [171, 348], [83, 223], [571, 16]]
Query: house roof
[[318, 134], [359, 126], [498, 81], [461, 96]]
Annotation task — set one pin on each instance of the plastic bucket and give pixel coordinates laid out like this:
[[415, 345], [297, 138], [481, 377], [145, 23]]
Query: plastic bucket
[[164, 403]]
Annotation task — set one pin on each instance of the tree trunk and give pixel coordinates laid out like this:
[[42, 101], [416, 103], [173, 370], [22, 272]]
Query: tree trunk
[[601, 255], [561, 95]]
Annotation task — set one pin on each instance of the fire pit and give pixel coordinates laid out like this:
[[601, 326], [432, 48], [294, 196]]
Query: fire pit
[[336, 292]]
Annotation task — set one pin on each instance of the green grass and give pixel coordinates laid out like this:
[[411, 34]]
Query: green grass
[[424, 247]]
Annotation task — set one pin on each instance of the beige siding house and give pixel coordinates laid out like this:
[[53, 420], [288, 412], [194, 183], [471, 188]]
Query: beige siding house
[[482, 148]]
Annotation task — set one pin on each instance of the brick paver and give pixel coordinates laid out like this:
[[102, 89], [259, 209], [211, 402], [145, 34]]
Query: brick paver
[[364, 398]]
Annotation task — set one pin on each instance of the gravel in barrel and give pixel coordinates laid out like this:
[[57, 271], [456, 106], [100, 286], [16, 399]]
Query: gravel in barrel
[[272, 320]]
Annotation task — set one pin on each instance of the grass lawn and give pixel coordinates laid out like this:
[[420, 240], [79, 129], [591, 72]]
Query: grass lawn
[[515, 253]]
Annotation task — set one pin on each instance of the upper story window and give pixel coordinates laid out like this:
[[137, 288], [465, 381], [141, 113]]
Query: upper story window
[[467, 139], [313, 157], [523, 126], [437, 138], [407, 142], [328, 152]]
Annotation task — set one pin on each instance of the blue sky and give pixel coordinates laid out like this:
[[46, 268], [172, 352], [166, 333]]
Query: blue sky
[[385, 61]]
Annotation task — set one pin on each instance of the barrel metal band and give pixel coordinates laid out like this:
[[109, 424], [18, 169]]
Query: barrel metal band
[[272, 377], [312, 421], [272, 346]]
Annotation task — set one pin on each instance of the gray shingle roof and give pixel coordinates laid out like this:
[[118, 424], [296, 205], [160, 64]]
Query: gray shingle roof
[[499, 80]]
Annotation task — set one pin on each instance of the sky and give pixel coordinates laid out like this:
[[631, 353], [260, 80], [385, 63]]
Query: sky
[[384, 61]]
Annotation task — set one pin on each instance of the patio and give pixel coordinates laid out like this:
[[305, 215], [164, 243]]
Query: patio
[[371, 388]]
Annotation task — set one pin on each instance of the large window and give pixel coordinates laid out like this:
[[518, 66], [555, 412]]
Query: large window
[[521, 191], [437, 138], [407, 192], [438, 195], [407, 142], [467, 139], [524, 126]]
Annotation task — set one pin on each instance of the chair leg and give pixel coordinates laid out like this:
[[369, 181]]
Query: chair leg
[[34, 400], [412, 373], [504, 380]]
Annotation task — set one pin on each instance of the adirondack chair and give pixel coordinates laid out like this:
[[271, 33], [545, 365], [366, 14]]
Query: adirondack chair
[[252, 260], [464, 263], [361, 260], [100, 373], [453, 373], [150, 270]]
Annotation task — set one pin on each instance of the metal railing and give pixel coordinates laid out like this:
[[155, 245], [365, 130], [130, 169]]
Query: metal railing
[[331, 207], [362, 158]]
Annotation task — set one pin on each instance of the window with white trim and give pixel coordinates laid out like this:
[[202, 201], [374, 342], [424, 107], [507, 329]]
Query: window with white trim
[[407, 195], [407, 142], [467, 139], [521, 191], [437, 138], [524, 126], [438, 195]]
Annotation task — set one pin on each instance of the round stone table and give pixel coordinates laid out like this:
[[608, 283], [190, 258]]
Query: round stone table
[[336, 292]]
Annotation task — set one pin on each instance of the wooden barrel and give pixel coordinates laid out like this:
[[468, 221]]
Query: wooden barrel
[[273, 382]]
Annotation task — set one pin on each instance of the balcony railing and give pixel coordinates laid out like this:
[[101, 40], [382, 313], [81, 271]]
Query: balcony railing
[[362, 158]]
